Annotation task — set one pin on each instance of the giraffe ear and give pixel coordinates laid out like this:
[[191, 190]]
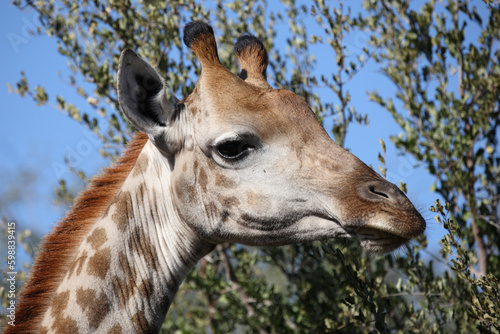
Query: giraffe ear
[[141, 95]]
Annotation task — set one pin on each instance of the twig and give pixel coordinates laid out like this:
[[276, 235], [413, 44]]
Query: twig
[[245, 299]]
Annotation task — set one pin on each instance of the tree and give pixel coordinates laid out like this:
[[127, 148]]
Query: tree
[[451, 94], [446, 102]]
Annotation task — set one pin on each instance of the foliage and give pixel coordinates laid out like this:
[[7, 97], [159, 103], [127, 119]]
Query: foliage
[[451, 90], [446, 102]]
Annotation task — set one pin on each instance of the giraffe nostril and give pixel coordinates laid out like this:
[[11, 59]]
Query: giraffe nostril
[[378, 192]]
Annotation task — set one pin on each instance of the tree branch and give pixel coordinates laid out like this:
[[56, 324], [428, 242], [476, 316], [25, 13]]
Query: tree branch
[[481, 246], [228, 269]]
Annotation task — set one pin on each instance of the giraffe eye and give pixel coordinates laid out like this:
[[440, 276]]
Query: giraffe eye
[[234, 149]]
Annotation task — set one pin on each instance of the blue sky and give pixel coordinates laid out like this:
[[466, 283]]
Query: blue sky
[[34, 138], [39, 138]]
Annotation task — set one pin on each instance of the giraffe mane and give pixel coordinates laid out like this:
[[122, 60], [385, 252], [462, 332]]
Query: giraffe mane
[[59, 247]]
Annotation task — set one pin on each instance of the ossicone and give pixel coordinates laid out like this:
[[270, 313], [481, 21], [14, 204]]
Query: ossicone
[[199, 37], [253, 60]]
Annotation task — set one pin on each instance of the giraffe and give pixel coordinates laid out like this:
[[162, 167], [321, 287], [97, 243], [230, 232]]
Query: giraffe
[[234, 161]]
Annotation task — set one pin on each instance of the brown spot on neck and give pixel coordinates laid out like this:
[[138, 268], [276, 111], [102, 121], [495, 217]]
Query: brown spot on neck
[[116, 329], [146, 288], [95, 307], [123, 210], [64, 325], [141, 165], [99, 263], [141, 323], [126, 267], [77, 265], [97, 238], [123, 290], [142, 245], [140, 194], [59, 303]]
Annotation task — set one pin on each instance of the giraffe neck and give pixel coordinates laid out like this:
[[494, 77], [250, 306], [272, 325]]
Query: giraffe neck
[[129, 267]]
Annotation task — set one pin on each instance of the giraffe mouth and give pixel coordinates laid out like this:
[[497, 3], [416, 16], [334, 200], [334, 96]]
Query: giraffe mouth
[[378, 241]]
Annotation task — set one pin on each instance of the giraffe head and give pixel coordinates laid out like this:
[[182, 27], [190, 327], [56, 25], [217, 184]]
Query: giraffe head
[[252, 164]]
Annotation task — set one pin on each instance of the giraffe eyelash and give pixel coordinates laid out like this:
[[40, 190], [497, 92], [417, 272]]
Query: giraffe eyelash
[[236, 147]]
